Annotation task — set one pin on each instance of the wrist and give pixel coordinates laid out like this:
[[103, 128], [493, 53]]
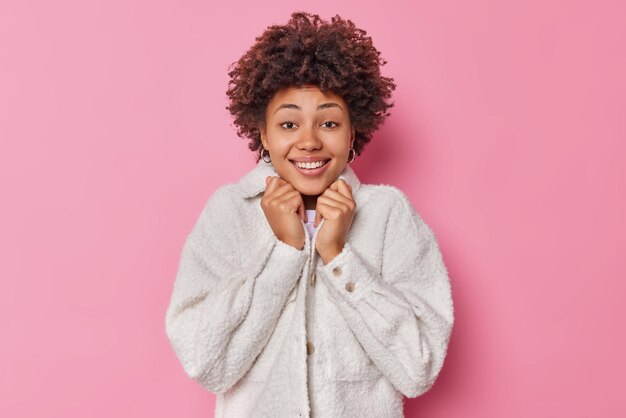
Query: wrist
[[291, 243], [327, 255]]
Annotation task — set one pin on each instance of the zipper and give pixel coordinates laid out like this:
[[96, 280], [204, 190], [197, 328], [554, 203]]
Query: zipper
[[313, 253]]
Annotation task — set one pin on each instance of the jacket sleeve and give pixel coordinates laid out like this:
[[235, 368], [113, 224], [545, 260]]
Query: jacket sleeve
[[223, 309], [402, 314]]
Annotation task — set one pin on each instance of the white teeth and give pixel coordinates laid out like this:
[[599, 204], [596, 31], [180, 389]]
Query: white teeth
[[310, 165]]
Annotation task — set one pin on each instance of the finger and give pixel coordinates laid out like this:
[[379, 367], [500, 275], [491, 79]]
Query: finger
[[318, 214], [326, 211], [280, 188], [344, 188], [287, 208], [271, 184], [277, 180], [295, 196], [328, 208], [286, 195], [292, 200], [302, 212], [342, 205], [348, 201]]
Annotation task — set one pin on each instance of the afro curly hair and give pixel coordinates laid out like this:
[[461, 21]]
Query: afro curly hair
[[334, 56]]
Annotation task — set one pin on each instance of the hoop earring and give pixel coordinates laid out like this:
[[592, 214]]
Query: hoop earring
[[353, 155], [268, 154]]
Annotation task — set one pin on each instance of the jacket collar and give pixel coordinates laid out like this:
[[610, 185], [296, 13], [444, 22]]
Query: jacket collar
[[253, 182]]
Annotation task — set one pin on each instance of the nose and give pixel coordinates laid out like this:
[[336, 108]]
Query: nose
[[309, 139]]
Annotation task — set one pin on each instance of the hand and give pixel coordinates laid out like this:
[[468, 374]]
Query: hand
[[336, 205], [283, 207]]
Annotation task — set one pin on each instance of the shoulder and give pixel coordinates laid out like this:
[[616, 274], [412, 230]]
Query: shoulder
[[394, 202], [221, 202], [387, 195]]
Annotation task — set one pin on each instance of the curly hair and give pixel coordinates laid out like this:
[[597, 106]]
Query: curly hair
[[334, 56]]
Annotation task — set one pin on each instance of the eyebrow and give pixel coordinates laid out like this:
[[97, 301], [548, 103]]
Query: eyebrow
[[293, 106]]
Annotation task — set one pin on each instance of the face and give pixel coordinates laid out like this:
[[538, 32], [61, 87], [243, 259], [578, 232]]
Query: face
[[307, 126]]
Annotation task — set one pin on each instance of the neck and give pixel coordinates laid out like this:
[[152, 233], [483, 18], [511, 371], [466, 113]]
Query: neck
[[310, 202]]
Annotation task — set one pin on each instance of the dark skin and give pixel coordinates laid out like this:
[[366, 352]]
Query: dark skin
[[304, 122], [284, 208]]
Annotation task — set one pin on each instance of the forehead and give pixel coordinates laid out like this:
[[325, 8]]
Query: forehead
[[304, 96]]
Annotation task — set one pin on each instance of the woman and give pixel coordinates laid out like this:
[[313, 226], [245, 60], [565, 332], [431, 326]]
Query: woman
[[302, 292]]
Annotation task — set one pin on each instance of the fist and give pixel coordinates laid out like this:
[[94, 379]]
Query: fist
[[337, 206], [284, 208]]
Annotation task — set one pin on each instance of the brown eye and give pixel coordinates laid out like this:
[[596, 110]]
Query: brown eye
[[331, 122], [290, 125]]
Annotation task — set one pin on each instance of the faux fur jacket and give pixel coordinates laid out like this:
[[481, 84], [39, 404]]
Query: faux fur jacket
[[276, 333]]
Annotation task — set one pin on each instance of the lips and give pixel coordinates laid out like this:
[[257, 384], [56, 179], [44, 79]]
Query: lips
[[323, 162], [309, 172], [308, 159]]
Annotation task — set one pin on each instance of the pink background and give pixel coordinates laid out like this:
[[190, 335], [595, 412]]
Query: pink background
[[508, 135]]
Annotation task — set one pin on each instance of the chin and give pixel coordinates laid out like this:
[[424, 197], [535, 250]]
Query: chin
[[311, 191]]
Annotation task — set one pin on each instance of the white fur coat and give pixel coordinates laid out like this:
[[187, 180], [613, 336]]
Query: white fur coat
[[276, 333]]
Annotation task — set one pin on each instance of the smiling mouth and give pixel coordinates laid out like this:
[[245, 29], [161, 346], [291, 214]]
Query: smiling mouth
[[310, 166]]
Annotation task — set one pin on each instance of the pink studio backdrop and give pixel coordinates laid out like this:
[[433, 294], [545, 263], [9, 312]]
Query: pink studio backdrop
[[507, 134]]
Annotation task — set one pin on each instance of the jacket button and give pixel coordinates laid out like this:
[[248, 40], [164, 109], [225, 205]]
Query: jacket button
[[349, 286], [309, 347], [337, 271]]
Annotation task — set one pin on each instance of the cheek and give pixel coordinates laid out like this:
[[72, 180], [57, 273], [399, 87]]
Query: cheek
[[338, 143], [278, 145], [340, 148], [282, 150]]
